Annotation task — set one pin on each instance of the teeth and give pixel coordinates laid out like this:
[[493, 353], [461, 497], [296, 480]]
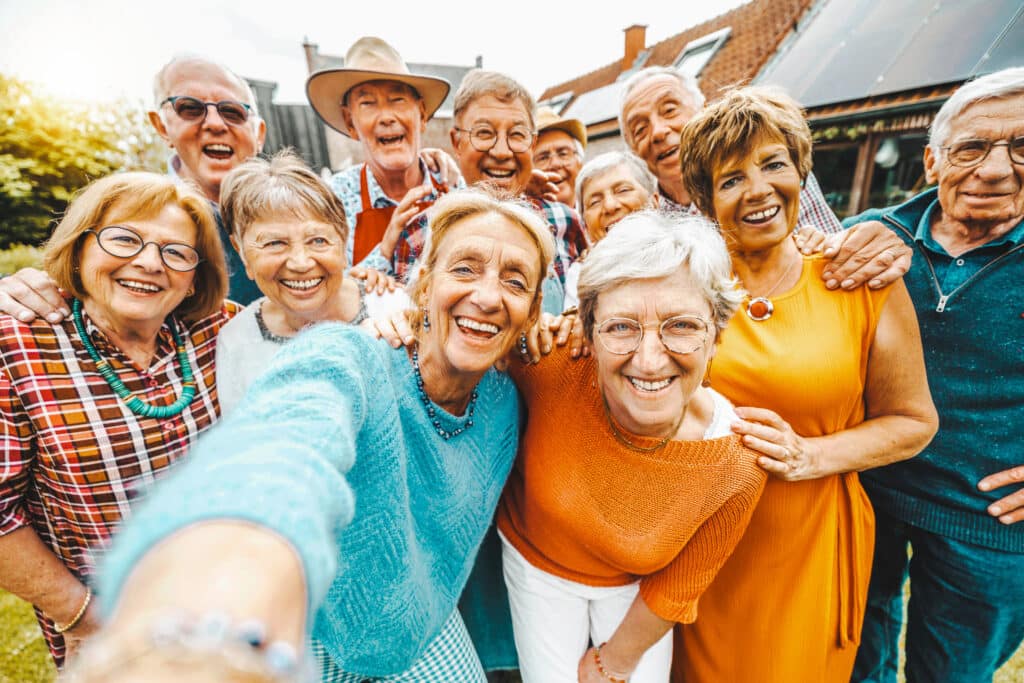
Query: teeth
[[643, 385], [498, 173], [762, 215], [388, 141], [219, 148], [135, 284], [477, 325], [667, 154], [302, 284]]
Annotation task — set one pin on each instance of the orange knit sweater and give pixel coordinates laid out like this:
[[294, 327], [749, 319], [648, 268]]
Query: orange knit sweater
[[583, 507]]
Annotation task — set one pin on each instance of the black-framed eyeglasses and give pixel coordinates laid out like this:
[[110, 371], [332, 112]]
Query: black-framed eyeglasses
[[193, 109], [973, 152], [484, 138], [681, 334], [123, 242]]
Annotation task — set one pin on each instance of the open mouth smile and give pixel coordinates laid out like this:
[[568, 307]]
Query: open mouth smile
[[391, 141], [302, 285], [218, 151], [477, 328], [762, 216], [671, 151], [140, 287], [650, 386]]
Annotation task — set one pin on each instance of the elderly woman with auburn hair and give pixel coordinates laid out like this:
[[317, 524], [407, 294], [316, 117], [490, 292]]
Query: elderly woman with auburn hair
[[839, 382], [96, 408]]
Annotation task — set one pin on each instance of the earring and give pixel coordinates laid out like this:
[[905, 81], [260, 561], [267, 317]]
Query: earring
[[707, 375], [426, 319], [190, 292], [523, 350]]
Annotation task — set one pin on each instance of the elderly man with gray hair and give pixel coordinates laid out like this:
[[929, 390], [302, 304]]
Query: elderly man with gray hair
[[959, 505]]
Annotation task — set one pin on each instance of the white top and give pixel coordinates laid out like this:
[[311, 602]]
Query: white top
[[572, 281], [243, 352], [721, 420]]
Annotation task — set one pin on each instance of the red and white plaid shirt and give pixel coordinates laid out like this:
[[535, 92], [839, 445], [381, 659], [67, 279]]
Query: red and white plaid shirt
[[73, 458]]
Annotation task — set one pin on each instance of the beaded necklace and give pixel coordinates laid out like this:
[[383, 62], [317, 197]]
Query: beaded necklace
[[134, 403], [431, 413]]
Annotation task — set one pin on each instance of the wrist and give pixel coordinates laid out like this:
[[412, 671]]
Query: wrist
[[74, 618], [611, 665]]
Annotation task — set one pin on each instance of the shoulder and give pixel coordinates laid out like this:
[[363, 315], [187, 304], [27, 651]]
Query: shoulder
[[557, 212], [383, 305], [241, 327], [16, 336], [207, 329]]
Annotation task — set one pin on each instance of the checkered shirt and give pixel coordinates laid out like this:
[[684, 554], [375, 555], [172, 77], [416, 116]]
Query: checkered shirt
[[814, 210], [566, 228], [74, 458]]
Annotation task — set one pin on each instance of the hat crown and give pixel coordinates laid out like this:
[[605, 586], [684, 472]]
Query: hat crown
[[373, 54]]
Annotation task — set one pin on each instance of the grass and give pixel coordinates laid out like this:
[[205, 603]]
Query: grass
[[25, 659], [19, 256]]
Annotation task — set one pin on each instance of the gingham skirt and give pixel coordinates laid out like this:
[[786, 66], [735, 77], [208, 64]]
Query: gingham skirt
[[451, 658]]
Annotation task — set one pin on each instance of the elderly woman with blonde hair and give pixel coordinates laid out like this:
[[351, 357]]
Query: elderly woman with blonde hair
[[95, 409], [839, 382], [255, 545]]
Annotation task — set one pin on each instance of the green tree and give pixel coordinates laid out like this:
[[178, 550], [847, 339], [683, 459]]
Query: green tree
[[51, 147]]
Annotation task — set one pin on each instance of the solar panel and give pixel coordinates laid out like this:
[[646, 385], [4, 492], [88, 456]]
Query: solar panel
[[852, 49]]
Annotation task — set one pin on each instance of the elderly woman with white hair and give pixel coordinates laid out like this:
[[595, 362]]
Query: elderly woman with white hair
[[609, 187], [629, 491]]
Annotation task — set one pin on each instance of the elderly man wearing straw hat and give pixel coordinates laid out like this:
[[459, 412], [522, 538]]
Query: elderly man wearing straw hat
[[559, 151], [376, 100]]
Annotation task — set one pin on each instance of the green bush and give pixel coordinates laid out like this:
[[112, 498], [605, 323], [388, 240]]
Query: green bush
[[19, 256]]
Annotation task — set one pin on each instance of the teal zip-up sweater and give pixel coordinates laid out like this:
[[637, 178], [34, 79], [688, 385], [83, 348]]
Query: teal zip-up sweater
[[336, 405], [971, 313]]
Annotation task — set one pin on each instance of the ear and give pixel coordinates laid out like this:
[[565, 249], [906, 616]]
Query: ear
[[454, 136], [346, 115], [158, 125], [655, 201], [423, 116], [931, 163], [261, 135], [241, 255]]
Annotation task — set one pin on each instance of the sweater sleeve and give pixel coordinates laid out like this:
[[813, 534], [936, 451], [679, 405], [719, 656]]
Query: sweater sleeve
[[278, 460], [672, 593]]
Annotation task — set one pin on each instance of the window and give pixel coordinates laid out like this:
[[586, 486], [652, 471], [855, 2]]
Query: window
[[699, 52]]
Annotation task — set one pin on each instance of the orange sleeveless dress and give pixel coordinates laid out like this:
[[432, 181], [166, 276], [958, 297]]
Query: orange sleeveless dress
[[787, 606]]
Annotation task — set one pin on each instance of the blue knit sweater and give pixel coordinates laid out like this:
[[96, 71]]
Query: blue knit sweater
[[383, 586], [972, 330]]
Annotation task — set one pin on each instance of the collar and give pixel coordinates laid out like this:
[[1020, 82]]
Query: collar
[[380, 200], [164, 338]]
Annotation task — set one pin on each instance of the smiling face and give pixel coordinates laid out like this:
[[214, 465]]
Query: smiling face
[[555, 152], [756, 199], [389, 119], [654, 114], [648, 389], [480, 294], [609, 197], [209, 148], [990, 193], [499, 166], [298, 263], [136, 294]]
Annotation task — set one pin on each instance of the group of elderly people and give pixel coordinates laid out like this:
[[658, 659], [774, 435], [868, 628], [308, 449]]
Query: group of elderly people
[[708, 463]]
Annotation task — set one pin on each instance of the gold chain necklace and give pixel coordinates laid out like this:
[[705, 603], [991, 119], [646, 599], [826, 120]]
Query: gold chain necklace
[[760, 308], [621, 437]]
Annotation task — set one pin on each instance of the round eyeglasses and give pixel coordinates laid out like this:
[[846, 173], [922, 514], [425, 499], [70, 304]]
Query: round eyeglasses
[[973, 152], [681, 334], [484, 138], [192, 109], [123, 242]]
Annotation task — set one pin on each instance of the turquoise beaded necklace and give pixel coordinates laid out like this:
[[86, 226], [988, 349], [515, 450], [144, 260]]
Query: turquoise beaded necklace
[[134, 403]]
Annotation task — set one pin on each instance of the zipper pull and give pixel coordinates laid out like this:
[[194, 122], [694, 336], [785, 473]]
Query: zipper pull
[[942, 303]]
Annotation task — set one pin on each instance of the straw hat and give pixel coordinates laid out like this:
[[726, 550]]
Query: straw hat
[[369, 59], [547, 119]]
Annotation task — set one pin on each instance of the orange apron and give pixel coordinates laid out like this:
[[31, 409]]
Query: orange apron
[[372, 223]]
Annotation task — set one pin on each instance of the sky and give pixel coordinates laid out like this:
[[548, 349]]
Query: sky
[[104, 49]]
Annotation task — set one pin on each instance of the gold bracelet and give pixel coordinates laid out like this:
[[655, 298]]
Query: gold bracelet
[[78, 617]]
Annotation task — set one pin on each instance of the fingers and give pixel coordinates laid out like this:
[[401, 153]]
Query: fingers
[[532, 337], [432, 158], [564, 329], [30, 293], [809, 240], [761, 415], [869, 249], [900, 266], [577, 347], [394, 330], [1009, 509]]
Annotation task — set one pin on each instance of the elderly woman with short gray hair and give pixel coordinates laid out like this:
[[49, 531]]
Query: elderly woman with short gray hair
[[629, 491]]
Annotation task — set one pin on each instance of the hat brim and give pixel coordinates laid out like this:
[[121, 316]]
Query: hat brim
[[572, 127], [325, 88]]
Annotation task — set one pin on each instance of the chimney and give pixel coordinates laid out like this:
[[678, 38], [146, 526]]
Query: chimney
[[479, 61], [312, 51], [636, 41]]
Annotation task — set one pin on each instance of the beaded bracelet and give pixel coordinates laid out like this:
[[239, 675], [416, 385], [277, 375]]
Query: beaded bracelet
[[211, 639], [604, 672], [78, 615]]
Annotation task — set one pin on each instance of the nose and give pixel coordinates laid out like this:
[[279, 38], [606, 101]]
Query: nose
[[659, 128], [149, 259], [299, 258], [501, 150], [650, 355], [759, 187], [213, 118], [487, 293], [997, 165]]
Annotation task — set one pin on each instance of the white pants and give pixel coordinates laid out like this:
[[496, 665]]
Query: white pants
[[555, 620]]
